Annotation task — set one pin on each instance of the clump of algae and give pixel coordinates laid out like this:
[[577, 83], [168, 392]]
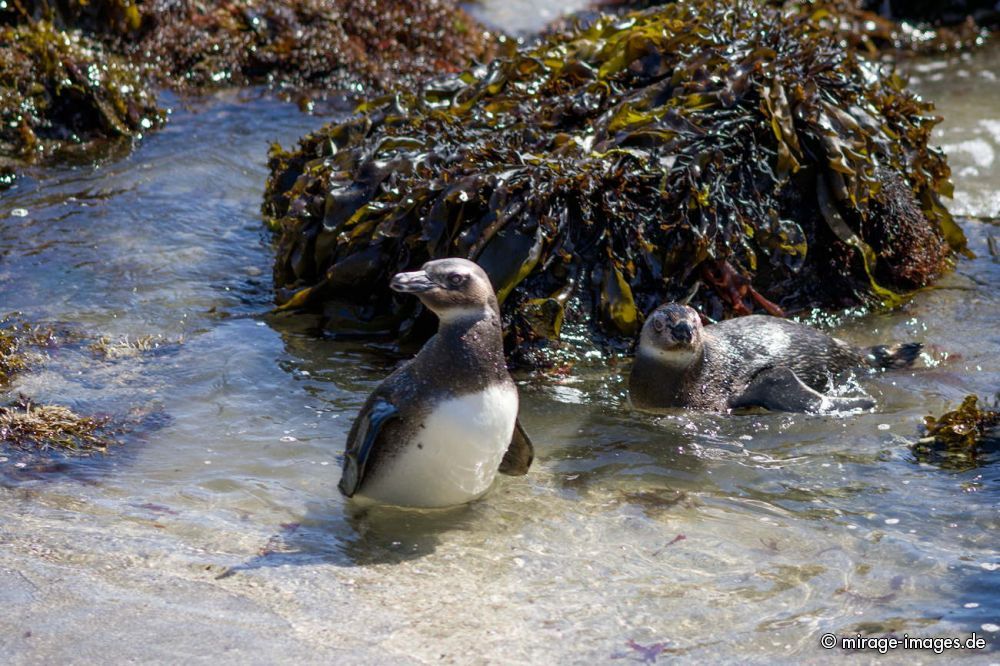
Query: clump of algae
[[958, 438], [25, 425]]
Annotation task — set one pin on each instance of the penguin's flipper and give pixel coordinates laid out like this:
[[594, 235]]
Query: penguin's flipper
[[781, 390], [361, 441], [519, 454]]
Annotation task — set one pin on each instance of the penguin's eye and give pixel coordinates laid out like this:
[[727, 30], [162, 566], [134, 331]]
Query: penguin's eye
[[456, 279], [658, 325]]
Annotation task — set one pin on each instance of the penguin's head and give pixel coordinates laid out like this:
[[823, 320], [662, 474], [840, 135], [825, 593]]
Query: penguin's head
[[452, 288], [673, 332]]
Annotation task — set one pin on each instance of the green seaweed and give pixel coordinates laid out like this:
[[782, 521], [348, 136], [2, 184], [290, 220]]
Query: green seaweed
[[724, 151], [958, 439]]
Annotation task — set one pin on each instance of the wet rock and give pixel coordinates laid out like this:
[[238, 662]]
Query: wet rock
[[733, 154]]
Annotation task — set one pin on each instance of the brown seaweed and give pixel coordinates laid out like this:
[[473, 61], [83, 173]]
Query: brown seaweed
[[19, 340], [958, 439], [350, 45], [26, 426], [721, 145], [78, 73]]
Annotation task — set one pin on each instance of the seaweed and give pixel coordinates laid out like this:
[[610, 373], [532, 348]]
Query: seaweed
[[921, 27], [350, 45], [115, 349], [353, 45], [958, 439], [25, 426], [12, 361], [74, 73], [62, 92], [17, 339], [724, 152]]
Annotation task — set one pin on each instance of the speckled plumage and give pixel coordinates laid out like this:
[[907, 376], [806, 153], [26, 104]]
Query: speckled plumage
[[713, 369]]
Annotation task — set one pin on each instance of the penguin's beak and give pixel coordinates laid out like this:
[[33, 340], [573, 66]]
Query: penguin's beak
[[412, 283], [682, 332]]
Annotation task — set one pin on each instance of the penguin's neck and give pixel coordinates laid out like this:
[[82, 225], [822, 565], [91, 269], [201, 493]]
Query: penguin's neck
[[659, 377], [473, 342], [676, 360]]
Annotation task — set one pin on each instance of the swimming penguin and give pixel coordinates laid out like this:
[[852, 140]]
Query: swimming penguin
[[440, 427], [754, 361]]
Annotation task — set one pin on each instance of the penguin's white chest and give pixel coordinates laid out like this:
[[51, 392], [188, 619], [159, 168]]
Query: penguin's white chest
[[454, 453]]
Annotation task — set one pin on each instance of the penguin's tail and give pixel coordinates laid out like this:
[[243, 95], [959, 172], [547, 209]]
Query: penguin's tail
[[893, 356]]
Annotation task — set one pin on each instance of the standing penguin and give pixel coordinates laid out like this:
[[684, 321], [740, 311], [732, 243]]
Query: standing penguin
[[754, 361], [438, 429]]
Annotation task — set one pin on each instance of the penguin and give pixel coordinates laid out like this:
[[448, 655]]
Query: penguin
[[437, 430], [753, 361]]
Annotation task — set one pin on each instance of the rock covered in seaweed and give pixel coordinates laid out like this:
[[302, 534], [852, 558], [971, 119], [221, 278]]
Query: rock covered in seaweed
[[354, 45], [717, 148], [351, 45], [74, 71], [62, 91]]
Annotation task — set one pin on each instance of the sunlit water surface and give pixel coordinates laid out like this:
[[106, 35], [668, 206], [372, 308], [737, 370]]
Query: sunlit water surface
[[216, 531]]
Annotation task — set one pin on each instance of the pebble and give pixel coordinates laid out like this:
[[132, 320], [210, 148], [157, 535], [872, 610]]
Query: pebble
[[891, 521], [19, 212]]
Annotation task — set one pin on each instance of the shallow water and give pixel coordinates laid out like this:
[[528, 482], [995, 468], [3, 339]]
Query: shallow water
[[217, 531]]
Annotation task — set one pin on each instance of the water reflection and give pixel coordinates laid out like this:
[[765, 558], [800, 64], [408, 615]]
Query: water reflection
[[347, 536]]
